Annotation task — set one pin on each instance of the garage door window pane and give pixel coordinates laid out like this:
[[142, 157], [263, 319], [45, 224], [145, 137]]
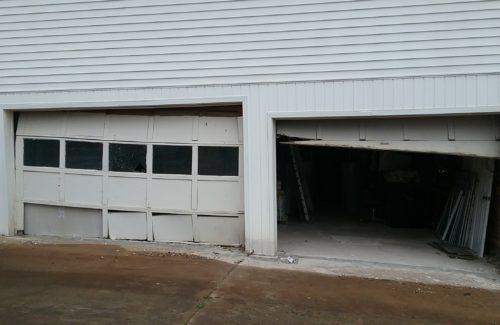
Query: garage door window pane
[[172, 159], [41, 153], [218, 161], [83, 155], [127, 158]]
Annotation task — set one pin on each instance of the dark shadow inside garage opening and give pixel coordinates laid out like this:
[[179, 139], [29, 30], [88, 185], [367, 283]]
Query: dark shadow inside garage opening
[[378, 206]]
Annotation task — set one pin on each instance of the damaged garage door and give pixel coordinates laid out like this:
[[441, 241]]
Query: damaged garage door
[[138, 175], [473, 137]]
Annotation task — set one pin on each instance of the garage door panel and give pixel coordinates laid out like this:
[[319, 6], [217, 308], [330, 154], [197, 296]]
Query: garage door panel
[[173, 129], [83, 189], [41, 186], [127, 128], [475, 128], [89, 125], [218, 129], [127, 192], [426, 129], [170, 194], [127, 225], [220, 196], [172, 227], [62, 221], [220, 230], [347, 130], [297, 129], [41, 124], [381, 129]]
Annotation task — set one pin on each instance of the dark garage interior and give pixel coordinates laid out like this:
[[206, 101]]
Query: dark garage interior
[[376, 205]]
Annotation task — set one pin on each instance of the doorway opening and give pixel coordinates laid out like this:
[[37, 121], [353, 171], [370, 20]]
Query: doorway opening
[[376, 205]]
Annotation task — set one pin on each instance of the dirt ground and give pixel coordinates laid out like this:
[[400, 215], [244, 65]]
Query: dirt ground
[[99, 284]]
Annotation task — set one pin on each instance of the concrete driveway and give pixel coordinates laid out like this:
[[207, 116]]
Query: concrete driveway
[[105, 283]]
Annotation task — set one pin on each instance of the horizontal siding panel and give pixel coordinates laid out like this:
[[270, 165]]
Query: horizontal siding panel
[[169, 13], [388, 60], [122, 7], [484, 27], [129, 43], [397, 49], [168, 30], [331, 18]]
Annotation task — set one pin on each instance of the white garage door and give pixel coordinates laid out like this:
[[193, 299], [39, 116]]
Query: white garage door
[[162, 177], [460, 135]]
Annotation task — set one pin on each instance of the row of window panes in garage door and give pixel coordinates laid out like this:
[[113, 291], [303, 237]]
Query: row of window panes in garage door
[[167, 159]]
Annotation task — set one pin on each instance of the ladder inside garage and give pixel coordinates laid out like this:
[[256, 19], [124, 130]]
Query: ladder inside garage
[[301, 182]]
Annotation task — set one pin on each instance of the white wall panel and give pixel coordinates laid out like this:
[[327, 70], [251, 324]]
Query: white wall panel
[[127, 192]]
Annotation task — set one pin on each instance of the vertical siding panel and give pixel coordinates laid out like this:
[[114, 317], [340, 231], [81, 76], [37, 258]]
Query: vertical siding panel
[[329, 96], [310, 96], [357, 95], [471, 91], [449, 97], [460, 91], [338, 93], [267, 225], [408, 100], [429, 92], [368, 95], [398, 93], [439, 92], [348, 100], [482, 90], [319, 95], [388, 94], [281, 94], [419, 93], [378, 94], [492, 90]]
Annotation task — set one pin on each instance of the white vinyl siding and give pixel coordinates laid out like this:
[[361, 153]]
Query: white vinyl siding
[[61, 45]]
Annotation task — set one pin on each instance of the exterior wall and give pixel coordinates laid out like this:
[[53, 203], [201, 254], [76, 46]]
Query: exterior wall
[[69, 44], [262, 102], [378, 57]]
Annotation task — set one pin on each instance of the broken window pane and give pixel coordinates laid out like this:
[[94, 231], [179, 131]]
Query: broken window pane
[[218, 161], [83, 155], [127, 157], [172, 159], [41, 153]]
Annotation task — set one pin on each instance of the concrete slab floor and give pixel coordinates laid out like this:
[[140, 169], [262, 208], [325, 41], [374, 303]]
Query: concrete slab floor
[[98, 282], [370, 242]]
